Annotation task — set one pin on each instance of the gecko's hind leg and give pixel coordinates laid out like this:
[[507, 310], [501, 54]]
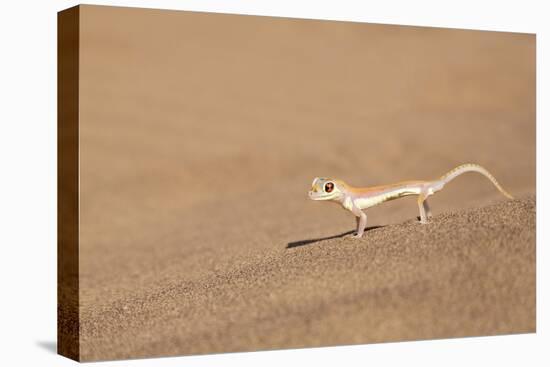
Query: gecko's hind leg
[[427, 209], [426, 191], [423, 208]]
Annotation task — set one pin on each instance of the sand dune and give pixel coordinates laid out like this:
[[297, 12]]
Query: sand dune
[[466, 273]]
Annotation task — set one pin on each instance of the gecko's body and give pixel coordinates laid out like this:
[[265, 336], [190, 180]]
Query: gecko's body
[[357, 199]]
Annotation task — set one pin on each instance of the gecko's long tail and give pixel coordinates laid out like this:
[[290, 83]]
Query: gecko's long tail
[[472, 167]]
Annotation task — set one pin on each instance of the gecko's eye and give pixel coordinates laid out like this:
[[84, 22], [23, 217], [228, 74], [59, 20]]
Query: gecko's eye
[[329, 186]]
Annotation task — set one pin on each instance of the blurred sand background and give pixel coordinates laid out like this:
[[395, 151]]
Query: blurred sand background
[[200, 135]]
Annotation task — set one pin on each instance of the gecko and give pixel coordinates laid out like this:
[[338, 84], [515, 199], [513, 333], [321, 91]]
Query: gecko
[[357, 199]]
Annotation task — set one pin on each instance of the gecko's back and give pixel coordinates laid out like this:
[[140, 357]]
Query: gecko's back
[[370, 196]]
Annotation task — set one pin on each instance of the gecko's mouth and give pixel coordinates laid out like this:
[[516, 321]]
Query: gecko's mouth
[[320, 196]]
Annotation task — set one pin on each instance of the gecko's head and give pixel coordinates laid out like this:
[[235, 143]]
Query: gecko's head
[[326, 189]]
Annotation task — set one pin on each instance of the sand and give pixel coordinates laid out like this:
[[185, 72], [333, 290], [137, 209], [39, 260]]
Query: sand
[[200, 135], [466, 273]]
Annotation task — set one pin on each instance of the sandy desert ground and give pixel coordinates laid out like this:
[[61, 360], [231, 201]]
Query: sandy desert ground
[[200, 135]]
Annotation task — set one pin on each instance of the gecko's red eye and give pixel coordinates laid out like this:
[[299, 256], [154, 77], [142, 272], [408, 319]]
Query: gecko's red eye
[[329, 186]]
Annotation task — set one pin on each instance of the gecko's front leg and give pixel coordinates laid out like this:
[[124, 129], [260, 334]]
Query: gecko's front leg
[[361, 222]]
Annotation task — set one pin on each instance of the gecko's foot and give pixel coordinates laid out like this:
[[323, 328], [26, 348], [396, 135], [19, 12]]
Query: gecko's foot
[[425, 221], [357, 235]]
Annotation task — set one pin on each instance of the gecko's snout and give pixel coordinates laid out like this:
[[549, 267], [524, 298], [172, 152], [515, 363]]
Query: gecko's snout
[[314, 188], [313, 193]]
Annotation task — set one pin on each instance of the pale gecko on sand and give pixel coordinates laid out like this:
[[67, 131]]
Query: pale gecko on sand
[[357, 199]]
